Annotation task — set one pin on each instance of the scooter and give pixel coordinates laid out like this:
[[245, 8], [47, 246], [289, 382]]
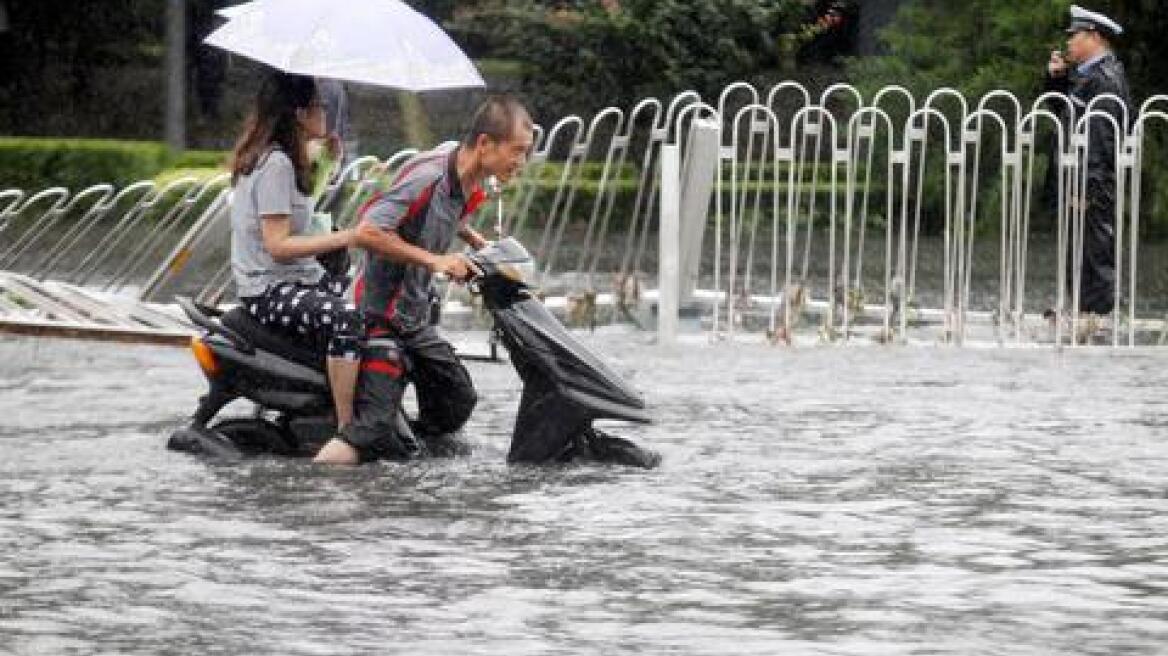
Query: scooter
[[566, 387]]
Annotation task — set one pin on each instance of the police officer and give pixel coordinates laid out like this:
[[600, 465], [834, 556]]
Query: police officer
[[1090, 69]]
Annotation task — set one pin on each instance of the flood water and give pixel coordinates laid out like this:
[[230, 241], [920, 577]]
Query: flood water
[[826, 500]]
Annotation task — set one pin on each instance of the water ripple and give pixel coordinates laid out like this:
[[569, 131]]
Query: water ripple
[[816, 501]]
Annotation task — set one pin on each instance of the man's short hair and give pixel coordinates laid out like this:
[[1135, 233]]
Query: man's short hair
[[497, 118]]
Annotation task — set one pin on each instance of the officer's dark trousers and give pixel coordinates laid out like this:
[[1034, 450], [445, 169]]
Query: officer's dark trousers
[[1097, 293], [445, 393]]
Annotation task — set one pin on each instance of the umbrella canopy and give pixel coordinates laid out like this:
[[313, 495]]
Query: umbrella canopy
[[233, 11], [380, 42]]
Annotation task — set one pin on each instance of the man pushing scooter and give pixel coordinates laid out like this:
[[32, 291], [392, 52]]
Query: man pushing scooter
[[406, 233]]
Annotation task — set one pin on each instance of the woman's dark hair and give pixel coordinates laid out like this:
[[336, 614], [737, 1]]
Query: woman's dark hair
[[273, 123]]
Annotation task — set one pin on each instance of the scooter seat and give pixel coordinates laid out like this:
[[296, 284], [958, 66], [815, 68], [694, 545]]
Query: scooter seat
[[298, 351]]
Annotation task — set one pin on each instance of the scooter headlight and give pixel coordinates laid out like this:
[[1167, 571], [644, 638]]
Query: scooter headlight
[[517, 271]]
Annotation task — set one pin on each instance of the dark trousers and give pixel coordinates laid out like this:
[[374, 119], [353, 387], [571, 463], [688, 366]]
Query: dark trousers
[[1097, 290], [446, 395]]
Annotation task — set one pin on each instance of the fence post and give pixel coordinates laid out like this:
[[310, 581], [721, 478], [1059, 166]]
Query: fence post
[[669, 261]]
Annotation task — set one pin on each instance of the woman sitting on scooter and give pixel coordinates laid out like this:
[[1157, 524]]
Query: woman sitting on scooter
[[278, 278]]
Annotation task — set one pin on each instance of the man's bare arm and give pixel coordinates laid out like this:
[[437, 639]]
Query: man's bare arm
[[390, 245]]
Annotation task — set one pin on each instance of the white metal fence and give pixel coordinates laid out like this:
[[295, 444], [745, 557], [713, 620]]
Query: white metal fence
[[784, 205]]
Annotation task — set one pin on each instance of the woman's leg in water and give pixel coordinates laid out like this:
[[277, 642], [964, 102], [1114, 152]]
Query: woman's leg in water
[[342, 375], [319, 312], [342, 371], [339, 321]]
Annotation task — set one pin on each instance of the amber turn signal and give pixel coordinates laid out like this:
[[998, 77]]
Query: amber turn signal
[[204, 356]]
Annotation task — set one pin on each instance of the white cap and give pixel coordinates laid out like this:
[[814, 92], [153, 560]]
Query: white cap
[[1085, 19]]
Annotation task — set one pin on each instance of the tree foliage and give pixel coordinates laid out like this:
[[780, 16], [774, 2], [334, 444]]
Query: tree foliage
[[977, 46], [48, 33], [584, 57], [980, 45], [974, 46]]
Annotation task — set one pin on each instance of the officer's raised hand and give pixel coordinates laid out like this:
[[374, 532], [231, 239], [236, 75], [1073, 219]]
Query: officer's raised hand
[[1057, 67]]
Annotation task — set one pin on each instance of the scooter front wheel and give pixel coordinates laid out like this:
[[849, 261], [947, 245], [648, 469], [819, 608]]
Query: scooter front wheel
[[255, 437], [602, 447]]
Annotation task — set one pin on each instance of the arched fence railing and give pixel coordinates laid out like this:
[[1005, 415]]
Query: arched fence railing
[[852, 216]]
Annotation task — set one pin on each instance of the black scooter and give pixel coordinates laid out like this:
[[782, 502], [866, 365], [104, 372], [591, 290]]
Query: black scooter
[[565, 386]]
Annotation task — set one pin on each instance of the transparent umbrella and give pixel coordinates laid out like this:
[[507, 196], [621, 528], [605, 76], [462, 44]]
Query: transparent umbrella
[[233, 10], [379, 42]]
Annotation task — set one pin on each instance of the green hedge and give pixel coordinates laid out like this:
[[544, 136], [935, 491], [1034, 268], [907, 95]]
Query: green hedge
[[200, 159], [33, 164]]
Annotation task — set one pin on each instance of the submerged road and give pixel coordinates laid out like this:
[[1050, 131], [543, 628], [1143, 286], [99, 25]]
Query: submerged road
[[840, 500]]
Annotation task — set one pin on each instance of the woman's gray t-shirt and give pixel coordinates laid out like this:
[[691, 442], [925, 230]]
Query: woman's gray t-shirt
[[269, 189]]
